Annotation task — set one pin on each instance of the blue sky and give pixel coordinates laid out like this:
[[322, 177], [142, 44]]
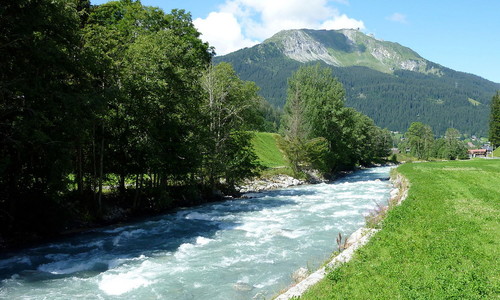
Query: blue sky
[[460, 34]]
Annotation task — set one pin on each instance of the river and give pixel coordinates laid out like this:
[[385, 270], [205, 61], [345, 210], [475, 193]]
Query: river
[[237, 249]]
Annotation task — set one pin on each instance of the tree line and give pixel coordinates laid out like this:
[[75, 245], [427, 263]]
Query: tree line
[[119, 105], [419, 142]]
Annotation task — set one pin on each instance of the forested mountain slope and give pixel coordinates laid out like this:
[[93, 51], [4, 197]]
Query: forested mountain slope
[[390, 83]]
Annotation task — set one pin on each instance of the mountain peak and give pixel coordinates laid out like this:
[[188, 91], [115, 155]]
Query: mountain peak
[[300, 46], [346, 48]]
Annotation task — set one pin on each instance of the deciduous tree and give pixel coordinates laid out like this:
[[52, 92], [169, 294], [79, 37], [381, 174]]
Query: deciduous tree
[[420, 140]]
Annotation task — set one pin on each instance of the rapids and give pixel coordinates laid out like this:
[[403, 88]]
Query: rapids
[[237, 249]]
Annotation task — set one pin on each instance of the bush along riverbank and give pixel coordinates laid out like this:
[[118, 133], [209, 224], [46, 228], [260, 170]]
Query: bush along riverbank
[[442, 242]]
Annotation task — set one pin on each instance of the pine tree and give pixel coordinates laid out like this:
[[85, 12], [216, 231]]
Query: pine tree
[[495, 120]]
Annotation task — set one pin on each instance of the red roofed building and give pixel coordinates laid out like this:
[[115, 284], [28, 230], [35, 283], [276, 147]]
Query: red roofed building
[[477, 152]]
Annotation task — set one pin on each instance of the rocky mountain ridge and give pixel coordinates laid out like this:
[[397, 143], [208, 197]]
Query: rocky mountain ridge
[[390, 83], [349, 47]]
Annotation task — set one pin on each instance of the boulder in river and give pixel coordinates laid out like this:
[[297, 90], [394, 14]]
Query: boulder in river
[[300, 274], [242, 287]]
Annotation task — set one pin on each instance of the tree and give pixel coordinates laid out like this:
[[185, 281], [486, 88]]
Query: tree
[[227, 108], [494, 133], [455, 149], [294, 126], [43, 106], [146, 75], [449, 147], [320, 132], [420, 140], [314, 109]]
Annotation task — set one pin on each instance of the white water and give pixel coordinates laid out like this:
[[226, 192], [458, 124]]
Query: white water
[[240, 249]]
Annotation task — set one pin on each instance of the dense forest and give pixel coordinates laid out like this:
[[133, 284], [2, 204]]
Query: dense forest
[[116, 109], [392, 100], [104, 106]]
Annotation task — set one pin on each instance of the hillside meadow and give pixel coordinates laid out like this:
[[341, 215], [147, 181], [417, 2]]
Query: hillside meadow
[[443, 242]]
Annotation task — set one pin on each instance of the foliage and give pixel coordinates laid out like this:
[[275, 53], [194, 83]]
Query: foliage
[[494, 133], [229, 106], [42, 94], [241, 160], [441, 243], [319, 132], [111, 94], [450, 147], [420, 139]]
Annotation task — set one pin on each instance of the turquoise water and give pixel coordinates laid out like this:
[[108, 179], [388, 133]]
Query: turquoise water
[[239, 249]]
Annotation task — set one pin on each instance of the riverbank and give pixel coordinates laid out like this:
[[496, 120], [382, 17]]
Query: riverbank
[[355, 241], [442, 243], [121, 214]]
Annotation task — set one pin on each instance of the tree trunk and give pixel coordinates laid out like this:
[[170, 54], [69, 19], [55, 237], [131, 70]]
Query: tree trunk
[[79, 172], [101, 169], [94, 171], [121, 188], [138, 188]]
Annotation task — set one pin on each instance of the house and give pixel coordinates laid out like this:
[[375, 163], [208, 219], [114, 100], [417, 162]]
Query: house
[[394, 151], [477, 152]]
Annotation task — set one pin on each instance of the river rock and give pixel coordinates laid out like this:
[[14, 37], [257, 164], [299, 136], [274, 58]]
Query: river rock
[[242, 287], [300, 274], [271, 183]]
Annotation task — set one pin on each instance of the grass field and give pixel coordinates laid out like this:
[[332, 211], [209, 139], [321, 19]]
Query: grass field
[[443, 242], [496, 153], [266, 148]]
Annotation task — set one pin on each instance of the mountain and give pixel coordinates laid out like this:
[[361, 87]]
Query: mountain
[[391, 83]]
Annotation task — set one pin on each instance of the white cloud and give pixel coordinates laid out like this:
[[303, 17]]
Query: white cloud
[[222, 31], [241, 23], [397, 17], [343, 21]]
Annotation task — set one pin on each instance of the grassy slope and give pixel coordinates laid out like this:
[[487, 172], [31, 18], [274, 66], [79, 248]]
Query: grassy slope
[[266, 148], [496, 153], [443, 242]]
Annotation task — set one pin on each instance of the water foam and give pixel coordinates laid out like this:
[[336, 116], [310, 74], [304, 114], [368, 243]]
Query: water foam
[[115, 284], [69, 266]]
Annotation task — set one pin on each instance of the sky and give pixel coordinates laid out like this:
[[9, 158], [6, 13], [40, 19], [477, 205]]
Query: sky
[[463, 35]]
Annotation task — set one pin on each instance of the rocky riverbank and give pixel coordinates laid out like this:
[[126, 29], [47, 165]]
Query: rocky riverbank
[[279, 181], [271, 183]]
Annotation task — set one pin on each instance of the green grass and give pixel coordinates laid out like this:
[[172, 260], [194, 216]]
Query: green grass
[[267, 150], [496, 153], [443, 242]]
